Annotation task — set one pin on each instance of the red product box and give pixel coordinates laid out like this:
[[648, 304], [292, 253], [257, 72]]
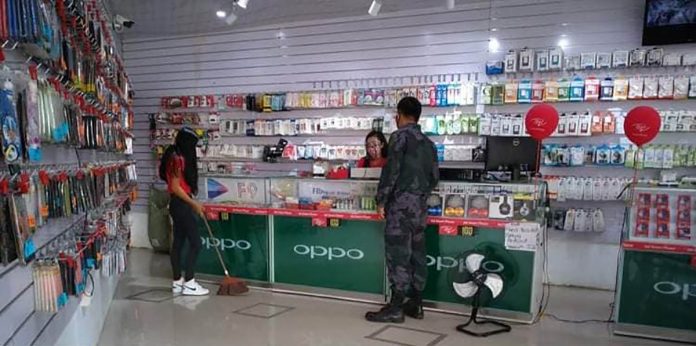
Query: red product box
[[662, 201], [662, 230], [643, 216], [684, 206], [642, 229], [663, 216]]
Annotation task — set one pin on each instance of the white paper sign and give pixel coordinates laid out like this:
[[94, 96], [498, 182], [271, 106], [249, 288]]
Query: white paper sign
[[522, 236]]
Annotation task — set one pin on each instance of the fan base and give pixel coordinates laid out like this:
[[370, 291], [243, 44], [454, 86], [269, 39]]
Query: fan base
[[503, 328]]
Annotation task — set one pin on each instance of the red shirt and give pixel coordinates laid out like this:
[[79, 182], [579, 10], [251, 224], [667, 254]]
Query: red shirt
[[175, 169], [375, 163]]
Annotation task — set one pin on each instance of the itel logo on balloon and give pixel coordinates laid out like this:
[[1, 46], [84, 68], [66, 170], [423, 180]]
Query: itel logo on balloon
[[538, 122], [641, 129]]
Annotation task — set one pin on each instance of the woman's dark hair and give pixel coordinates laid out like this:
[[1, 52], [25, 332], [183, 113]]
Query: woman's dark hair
[[184, 145], [382, 139]]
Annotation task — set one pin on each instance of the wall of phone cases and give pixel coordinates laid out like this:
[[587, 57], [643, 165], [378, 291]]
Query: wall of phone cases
[[66, 266], [64, 97]]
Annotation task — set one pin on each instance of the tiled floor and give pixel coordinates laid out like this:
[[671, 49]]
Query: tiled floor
[[145, 313]]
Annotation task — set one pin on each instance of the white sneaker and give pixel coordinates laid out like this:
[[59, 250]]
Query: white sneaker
[[177, 286], [193, 288]]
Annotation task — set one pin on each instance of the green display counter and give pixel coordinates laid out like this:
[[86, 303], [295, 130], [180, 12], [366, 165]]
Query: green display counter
[[243, 241], [348, 257], [657, 296], [288, 251], [446, 265]]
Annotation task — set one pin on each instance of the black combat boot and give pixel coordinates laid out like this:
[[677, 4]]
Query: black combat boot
[[390, 313], [414, 306]]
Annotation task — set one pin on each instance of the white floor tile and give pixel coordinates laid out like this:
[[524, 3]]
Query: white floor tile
[[288, 320]]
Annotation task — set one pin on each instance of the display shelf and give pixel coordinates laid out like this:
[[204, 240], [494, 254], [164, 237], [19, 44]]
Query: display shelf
[[53, 229], [442, 164], [193, 126], [325, 133], [609, 167], [462, 164], [594, 105], [213, 209]]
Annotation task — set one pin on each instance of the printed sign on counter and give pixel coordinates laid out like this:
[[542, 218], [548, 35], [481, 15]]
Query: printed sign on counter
[[522, 236], [246, 191], [338, 189]]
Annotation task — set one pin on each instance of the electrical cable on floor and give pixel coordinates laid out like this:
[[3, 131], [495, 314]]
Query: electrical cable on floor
[[559, 319], [546, 293], [546, 288]]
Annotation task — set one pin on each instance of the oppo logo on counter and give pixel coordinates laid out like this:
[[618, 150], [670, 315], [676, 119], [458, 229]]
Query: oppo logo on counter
[[686, 291], [330, 253], [225, 243], [445, 262]]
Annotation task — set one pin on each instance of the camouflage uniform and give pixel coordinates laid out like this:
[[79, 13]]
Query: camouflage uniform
[[407, 180]]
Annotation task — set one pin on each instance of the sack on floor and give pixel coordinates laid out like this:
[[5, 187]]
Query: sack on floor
[[159, 225]]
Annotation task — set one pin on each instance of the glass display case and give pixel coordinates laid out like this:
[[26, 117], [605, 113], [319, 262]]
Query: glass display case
[[663, 217], [462, 200], [658, 266]]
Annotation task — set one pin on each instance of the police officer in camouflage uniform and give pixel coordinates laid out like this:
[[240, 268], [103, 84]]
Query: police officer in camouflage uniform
[[407, 180]]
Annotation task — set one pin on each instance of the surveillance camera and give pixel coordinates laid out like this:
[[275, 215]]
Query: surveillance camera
[[120, 22]]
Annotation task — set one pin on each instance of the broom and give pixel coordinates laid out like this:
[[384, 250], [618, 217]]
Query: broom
[[229, 286]]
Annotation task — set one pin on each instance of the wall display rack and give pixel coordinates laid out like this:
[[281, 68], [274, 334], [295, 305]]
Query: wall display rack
[[67, 115], [552, 60]]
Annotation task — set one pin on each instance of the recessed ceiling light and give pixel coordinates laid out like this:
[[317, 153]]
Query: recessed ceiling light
[[493, 45], [221, 14], [375, 7], [563, 42]]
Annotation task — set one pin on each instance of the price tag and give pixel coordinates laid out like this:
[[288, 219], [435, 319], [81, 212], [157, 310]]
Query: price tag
[[225, 216], [335, 223], [522, 236], [212, 216], [467, 231], [319, 222], [448, 230]]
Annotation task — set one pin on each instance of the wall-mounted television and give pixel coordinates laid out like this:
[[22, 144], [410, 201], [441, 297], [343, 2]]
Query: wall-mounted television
[[669, 22]]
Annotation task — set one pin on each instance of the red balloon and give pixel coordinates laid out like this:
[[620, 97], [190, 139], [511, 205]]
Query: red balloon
[[541, 121], [642, 124]]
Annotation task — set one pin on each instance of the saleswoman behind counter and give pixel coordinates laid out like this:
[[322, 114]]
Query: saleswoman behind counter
[[376, 147]]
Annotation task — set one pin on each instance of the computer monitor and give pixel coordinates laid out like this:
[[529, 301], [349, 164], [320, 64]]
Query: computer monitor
[[514, 154]]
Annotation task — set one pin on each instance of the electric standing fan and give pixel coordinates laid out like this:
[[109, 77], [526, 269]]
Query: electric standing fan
[[479, 278]]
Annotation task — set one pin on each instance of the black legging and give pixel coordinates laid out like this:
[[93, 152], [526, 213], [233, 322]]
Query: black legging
[[185, 228]]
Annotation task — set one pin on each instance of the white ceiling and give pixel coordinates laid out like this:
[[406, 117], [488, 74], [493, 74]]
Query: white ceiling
[[181, 17]]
